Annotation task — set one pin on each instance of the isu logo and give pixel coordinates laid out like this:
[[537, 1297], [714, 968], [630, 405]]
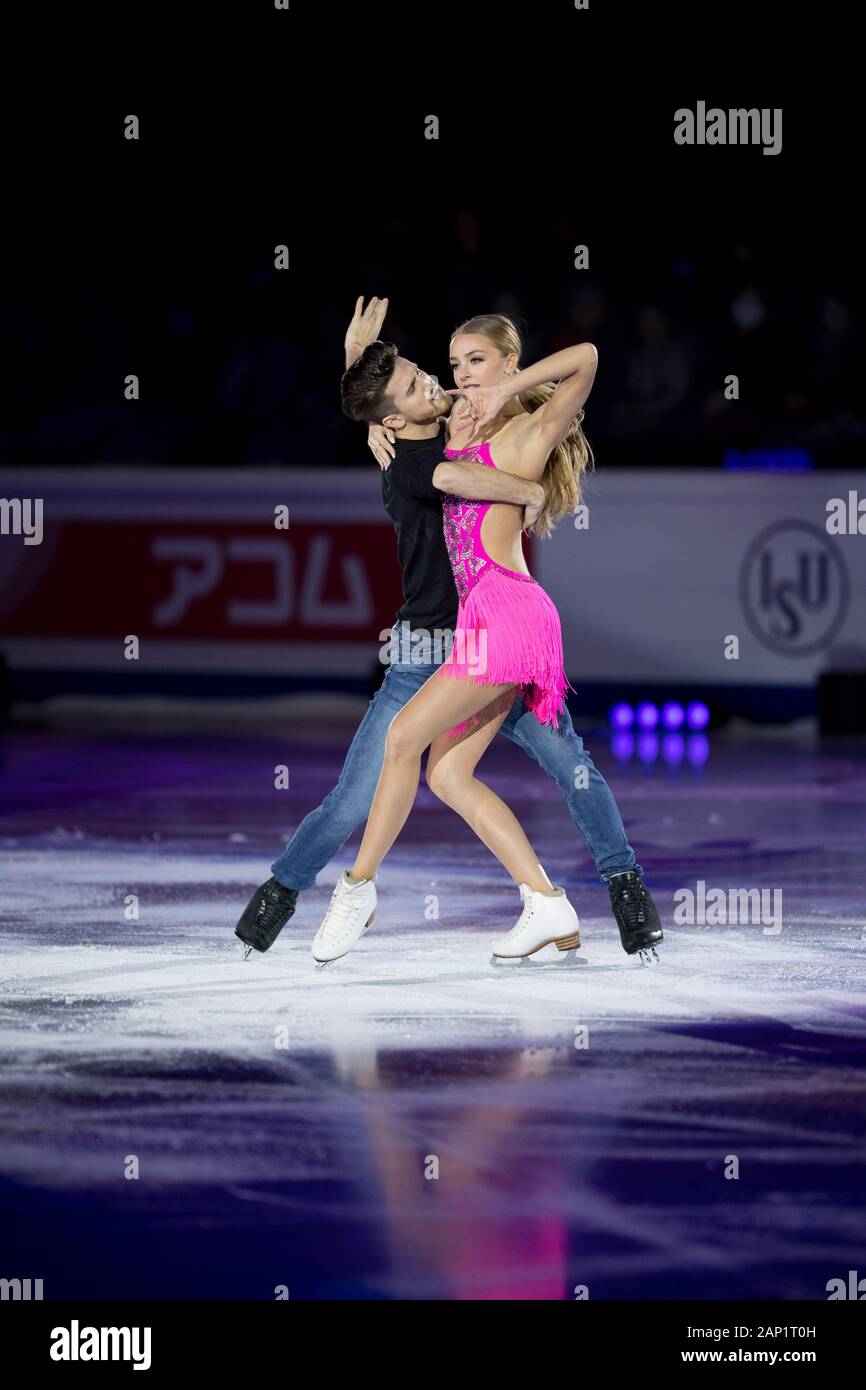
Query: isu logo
[[794, 588]]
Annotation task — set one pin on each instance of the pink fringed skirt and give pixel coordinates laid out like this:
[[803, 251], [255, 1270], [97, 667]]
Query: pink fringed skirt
[[508, 632]]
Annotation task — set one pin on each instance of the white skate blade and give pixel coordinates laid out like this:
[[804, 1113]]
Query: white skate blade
[[514, 962], [570, 959]]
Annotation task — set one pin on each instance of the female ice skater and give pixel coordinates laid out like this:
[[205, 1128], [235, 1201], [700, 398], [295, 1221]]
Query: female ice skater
[[508, 637]]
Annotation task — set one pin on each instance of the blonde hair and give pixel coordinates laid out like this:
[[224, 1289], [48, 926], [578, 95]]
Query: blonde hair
[[569, 460]]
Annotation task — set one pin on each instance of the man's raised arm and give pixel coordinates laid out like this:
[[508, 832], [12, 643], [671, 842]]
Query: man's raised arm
[[479, 483], [364, 327]]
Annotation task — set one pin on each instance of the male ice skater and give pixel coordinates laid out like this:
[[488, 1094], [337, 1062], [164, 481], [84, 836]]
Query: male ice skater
[[413, 408]]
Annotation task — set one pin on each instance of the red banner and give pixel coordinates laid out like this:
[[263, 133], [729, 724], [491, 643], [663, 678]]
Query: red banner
[[214, 579]]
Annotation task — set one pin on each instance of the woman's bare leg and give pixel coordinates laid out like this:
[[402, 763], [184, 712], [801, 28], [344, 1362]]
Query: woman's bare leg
[[450, 775], [434, 709]]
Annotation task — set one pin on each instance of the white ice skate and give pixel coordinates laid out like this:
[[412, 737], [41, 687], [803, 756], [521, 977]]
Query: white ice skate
[[352, 909], [546, 918]]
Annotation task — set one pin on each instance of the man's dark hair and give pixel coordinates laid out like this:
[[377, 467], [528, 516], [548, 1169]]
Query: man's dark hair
[[364, 385]]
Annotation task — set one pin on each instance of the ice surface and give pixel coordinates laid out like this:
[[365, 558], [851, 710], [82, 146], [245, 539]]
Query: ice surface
[[305, 1151]]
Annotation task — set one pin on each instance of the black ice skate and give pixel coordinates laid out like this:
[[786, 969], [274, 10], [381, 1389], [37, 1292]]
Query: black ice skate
[[265, 915], [636, 916]]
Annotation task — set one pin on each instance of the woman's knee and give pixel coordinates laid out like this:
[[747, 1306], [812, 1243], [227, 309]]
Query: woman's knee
[[448, 784], [435, 778], [400, 741]]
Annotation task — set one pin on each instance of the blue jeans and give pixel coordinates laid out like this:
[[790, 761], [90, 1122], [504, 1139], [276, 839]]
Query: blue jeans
[[324, 831]]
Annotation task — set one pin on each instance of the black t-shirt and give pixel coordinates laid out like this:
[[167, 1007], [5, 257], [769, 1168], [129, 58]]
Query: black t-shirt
[[415, 507]]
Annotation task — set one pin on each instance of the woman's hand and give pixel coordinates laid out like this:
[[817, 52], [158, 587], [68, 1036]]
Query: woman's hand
[[461, 420], [364, 327], [532, 511], [381, 442], [484, 402]]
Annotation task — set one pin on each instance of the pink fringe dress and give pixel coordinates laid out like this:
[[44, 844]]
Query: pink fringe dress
[[508, 629]]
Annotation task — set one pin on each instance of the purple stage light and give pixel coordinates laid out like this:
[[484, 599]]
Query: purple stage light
[[697, 715], [622, 745], [647, 715], [673, 715], [621, 715], [648, 747], [673, 749], [698, 749]]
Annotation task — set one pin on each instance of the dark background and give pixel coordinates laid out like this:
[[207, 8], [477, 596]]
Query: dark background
[[307, 128]]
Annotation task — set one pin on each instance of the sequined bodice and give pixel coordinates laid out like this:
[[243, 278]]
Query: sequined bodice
[[462, 521]]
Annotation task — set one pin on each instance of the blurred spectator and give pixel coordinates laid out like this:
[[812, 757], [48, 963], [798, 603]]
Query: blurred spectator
[[836, 367], [240, 366], [744, 346], [656, 376], [587, 319]]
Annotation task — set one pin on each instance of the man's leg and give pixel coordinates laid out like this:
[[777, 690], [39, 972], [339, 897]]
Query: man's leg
[[595, 813], [588, 797], [324, 831]]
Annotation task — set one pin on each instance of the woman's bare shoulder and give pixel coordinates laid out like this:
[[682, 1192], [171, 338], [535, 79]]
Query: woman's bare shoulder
[[511, 435]]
